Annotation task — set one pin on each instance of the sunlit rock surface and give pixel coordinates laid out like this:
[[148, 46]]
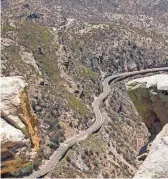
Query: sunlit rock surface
[[155, 165], [19, 137], [150, 97]]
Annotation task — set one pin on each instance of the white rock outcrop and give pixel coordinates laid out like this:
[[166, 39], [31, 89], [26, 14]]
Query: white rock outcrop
[[156, 163], [10, 133], [150, 98], [19, 135], [10, 101]]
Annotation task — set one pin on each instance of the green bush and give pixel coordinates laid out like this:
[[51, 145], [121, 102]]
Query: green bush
[[68, 158]]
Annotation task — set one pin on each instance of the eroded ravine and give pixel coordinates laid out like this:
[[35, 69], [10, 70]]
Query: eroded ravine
[[57, 155]]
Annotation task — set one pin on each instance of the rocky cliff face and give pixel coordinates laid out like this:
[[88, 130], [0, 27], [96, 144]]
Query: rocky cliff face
[[155, 165], [150, 97], [19, 135]]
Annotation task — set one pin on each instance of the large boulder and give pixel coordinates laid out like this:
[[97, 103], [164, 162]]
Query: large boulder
[[10, 133], [19, 138], [150, 98]]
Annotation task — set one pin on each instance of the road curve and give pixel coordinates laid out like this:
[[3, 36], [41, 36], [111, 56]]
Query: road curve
[[57, 155]]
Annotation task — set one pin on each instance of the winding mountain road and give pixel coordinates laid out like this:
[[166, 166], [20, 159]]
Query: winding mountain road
[[58, 154]]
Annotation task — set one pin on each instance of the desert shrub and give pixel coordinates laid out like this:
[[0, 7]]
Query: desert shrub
[[40, 153], [68, 158], [54, 139], [73, 163], [70, 124], [95, 163], [83, 156], [86, 161], [106, 175], [77, 151], [36, 164], [86, 152], [97, 153], [90, 153], [61, 139]]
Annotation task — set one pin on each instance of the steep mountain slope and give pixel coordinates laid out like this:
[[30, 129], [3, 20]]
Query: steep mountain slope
[[49, 96], [64, 49]]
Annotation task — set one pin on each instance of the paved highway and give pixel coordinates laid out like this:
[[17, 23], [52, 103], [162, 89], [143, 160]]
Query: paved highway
[[57, 155]]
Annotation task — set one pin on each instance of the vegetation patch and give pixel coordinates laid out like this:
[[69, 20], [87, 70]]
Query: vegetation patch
[[77, 105], [87, 72]]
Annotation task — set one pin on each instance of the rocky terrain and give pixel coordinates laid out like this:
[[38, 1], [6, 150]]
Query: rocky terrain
[[155, 165], [63, 50], [149, 96], [19, 135]]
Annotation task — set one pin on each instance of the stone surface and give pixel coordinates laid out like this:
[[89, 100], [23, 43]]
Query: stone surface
[[10, 101], [10, 133], [19, 137], [150, 97], [29, 59], [155, 165]]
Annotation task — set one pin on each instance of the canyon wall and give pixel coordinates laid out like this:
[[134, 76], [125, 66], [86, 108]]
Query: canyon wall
[[150, 98]]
